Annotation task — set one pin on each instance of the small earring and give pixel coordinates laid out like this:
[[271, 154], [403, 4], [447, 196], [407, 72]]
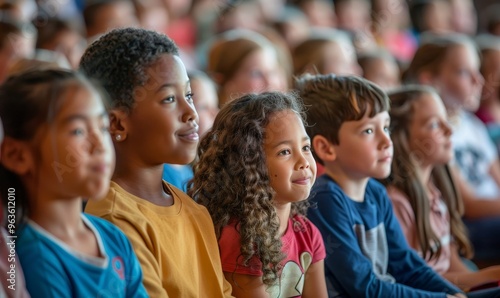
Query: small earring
[[118, 137]]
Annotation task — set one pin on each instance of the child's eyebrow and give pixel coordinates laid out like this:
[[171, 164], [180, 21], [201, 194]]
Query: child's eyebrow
[[362, 122], [168, 85], [286, 142], [83, 117]]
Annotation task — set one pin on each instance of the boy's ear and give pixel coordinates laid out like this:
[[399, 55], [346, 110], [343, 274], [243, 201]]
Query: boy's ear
[[323, 148], [17, 156], [118, 124]]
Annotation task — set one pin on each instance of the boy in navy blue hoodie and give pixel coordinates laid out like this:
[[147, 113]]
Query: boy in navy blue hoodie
[[367, 254]]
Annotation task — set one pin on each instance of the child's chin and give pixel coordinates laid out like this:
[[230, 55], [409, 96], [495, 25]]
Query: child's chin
[[382, 174]]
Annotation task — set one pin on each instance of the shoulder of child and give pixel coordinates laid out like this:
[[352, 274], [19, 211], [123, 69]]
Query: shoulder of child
[[45, 276], [325, 184], [231, 232], [396, 195], [187, 202], [375, 185], [309, 237], [108, 231], [376, 189]]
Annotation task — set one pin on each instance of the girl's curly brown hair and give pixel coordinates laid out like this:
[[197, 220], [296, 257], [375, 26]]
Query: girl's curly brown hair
[[231, 178]]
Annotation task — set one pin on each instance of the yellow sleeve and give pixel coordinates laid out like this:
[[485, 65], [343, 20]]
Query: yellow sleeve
[[141, 243], [228, 289]]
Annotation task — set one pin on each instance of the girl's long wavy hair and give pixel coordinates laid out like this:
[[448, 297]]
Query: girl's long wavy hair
[[231, 178], [405, 177]]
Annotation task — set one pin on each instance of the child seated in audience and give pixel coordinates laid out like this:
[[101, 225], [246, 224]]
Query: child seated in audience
[[380, 67], [423, 193], [255, 171], [242, 62], [326, 51], [450, 63], [105, 15], [17, 41], [61, 37], [489, 108], [152, 122], [57, 151], [367, 254]]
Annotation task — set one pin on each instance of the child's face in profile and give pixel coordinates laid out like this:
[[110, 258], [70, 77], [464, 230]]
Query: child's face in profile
[[259, 72], [383, 72], [429, 131], [206, 103], [162, 125], [290, 164], [339, 58], [365, 147], [76, 157], [119, 14], [459, 81]]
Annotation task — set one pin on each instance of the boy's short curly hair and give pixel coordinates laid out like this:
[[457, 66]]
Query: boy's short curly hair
[[332, 100], [118, 60]]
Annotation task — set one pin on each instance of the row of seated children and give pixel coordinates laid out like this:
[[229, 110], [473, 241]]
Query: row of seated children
[[450, 64], [264, 181]]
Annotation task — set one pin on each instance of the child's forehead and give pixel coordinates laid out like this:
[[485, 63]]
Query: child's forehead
[[368, 117], [77, 96], [283, 116], [167, 69]]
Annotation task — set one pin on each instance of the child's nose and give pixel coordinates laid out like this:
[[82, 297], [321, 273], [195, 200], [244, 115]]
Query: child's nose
[[386, 141], [97, 140], [189, 113], [479, 79], [302, 163]]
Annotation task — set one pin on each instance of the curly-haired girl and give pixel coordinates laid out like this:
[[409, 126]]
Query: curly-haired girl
[[255, 170]]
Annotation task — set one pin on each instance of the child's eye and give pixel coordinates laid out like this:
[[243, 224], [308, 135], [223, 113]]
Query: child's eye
[[463, 72], [189, 97], [256, 74], [368, 131], [169, 99], [434, 125], [307, 148], [387, 129], [284, 152], [78, 132]]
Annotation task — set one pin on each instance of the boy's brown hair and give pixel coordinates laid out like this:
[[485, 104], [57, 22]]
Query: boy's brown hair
[[332, 100]]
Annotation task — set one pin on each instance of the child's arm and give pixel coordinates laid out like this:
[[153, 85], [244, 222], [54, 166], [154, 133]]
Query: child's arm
[[495, 171], [404, 263], [135, 287], [150, 268], [348, 269], [460, 275], [246, 286], [44, 277], [405, 215], [315, 283], [456, 263]]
